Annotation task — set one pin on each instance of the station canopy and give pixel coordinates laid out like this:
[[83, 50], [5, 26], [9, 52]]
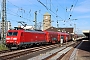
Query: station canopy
[[86, 33]]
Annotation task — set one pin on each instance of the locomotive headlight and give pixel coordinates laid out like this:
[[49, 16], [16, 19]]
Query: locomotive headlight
[[7, 38], [14, 38]]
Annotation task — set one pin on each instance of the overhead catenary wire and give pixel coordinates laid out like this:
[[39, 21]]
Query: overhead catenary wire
[[24, 10], [70, 11], [72, 8], [18, 16], [60, 5], [19, 12], [39, 10], [48, 8]]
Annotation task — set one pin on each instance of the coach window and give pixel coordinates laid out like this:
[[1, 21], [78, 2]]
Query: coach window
[[54, 39]]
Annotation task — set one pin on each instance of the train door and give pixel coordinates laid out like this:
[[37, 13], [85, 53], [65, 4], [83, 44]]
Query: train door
[[62, 39], [66, 38], [59, 37]]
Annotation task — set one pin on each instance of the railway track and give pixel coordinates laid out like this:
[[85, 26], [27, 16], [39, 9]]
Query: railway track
[[48, 54], [55, 54], [20, 53], [5, 51], [14, 54]]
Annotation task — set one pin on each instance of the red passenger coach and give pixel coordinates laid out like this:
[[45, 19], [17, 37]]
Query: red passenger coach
[[51, 36], [64, 36], [59, 36]]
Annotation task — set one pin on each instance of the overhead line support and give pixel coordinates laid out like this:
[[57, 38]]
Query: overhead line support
[[4, 21]]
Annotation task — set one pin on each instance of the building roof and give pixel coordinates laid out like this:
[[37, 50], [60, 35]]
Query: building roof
[[86, 32], [70, 30]]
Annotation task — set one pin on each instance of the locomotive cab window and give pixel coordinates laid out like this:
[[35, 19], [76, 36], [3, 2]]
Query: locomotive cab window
[[12, 33]]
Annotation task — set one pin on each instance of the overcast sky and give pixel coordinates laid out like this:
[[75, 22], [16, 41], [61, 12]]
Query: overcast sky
[[66, 10]]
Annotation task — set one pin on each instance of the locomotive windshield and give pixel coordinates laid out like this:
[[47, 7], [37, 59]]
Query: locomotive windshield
[[12, 33]]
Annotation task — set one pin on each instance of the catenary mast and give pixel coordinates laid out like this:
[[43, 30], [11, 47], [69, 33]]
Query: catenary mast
[[4, 29]]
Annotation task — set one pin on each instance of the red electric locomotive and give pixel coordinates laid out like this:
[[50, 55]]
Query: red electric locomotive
[[23, 38]]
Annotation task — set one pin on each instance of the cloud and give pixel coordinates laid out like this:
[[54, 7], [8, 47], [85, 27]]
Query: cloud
[[83, 7]]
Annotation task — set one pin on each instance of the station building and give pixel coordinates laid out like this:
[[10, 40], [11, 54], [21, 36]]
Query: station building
[[8, 26], [47, 25]]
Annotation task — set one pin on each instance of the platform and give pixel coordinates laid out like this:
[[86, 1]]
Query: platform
[[83, 52], [87, 33]]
